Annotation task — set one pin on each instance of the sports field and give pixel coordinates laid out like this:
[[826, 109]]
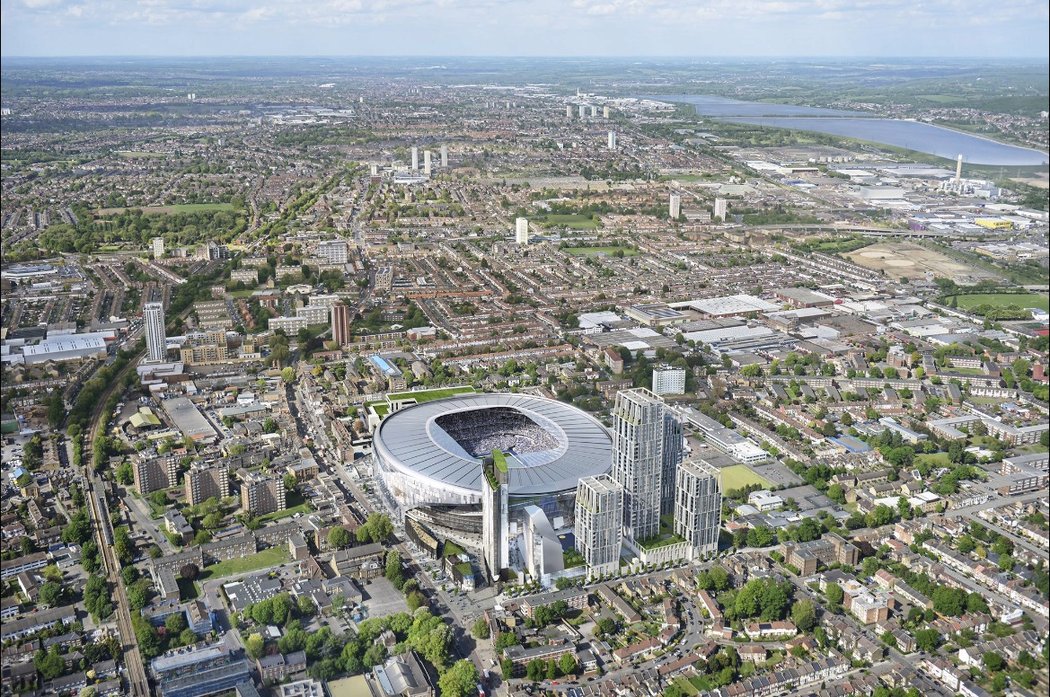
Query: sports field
[[604, 251], [571, 221], [169, 210], [907, 260], [966, 302], [739, 476]]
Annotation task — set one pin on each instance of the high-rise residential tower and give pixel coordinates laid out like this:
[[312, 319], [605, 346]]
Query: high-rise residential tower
[[415, 158], [426, 162], [599, 523], [698, 507], [674, 208], [444, 156], [341, 319], [203, 482], [153, 327], [494, 514], [721, 209], [639, 426], [670, 459], [521, 230], [612, 140]]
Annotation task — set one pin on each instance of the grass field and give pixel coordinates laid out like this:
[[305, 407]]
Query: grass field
[[571, 221], [140, 154], [605, 251], [966, 302], [286, 513], [169, 210], [934, 459], [739, 476], [430, 395], [273, 556], [686, 687]]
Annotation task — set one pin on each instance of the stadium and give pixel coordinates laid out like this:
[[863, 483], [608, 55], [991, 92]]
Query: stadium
[[428, 457]]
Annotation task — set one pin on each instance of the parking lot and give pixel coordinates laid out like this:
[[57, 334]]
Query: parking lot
[[382, 599]]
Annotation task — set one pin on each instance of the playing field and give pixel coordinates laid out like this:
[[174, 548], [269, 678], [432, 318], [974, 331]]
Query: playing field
[[966, 302], [739, 476], [906, 260], [168, 210], [573, 222], [604, 251]]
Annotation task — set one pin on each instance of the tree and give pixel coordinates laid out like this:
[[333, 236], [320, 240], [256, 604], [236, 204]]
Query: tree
[[212, 521], [415, 600], [189, 572], [50, 663], [394, 574], [804, 615], [719, 578], [50, 594], [460, 680], [976, 603], [927, 640], [187, 637], [534, 670], [255, 646], [294, 639], [480, 630], [146, 635], [376, 529], [605, 627], [305, 606], [78, 530], [507, 639], [339, 537], [567, 664], [374, 655], [123, 546], [835, 594], [97, 599], [879, 516], [775, 600], [175, 623], [124, 474], [993, 661]]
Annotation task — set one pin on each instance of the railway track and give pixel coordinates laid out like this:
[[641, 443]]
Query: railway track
[[99, 512]]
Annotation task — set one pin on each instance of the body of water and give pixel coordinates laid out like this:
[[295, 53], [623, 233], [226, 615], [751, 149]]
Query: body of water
[[922, 137]]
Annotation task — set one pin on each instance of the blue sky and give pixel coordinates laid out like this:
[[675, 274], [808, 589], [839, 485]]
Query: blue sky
[[964, 28]]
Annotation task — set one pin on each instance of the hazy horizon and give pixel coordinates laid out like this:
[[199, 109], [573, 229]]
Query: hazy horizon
[[773, 29]]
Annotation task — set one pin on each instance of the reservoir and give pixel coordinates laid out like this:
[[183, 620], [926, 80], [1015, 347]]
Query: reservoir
[[914, 135]]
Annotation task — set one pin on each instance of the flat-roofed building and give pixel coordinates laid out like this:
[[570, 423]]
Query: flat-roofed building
[[261, 494], [205, 481], [155, 473], [698, 507], [599, 523]]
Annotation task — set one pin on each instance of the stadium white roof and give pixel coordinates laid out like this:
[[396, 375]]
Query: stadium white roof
[[410, 441]]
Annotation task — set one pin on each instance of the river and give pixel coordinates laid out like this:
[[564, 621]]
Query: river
[[913, 135]]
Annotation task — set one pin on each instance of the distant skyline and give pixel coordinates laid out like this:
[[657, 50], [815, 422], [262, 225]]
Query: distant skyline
[[628, 28]]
